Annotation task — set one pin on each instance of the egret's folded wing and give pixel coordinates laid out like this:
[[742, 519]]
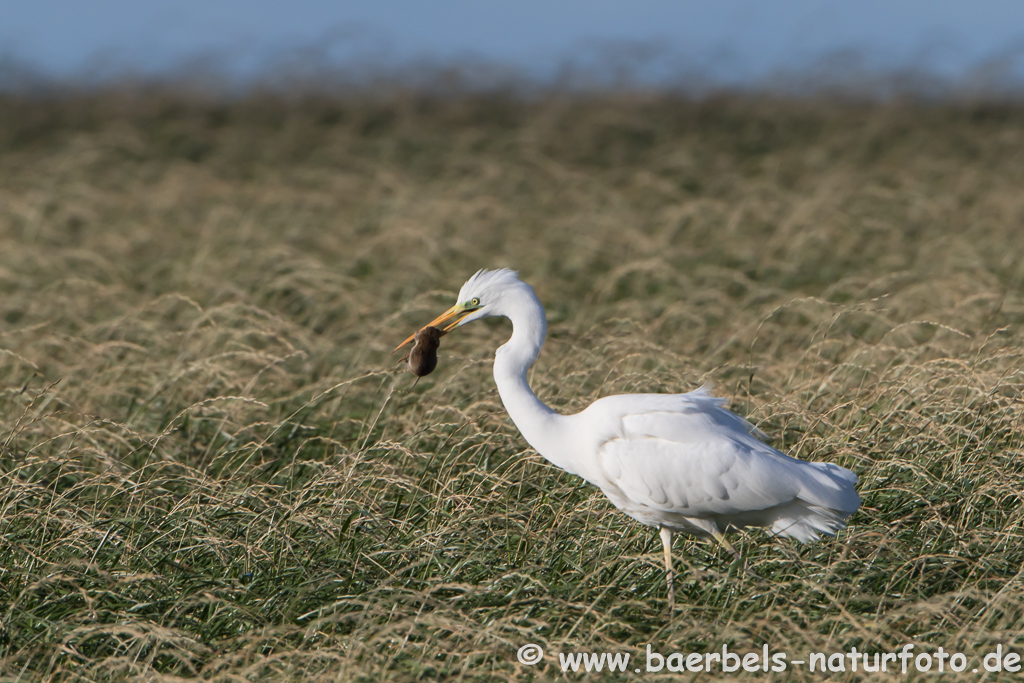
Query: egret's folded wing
[[687, 455], [695, 478]]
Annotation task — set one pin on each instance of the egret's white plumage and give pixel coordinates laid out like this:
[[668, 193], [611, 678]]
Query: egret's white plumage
[[679, 462]]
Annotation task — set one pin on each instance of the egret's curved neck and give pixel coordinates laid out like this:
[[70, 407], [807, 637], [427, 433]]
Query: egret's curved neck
[[536, 421]]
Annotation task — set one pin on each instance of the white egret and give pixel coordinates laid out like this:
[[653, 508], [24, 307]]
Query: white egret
[[678, 462]]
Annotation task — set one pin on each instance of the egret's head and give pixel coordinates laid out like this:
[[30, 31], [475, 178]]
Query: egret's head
[[481, 296]]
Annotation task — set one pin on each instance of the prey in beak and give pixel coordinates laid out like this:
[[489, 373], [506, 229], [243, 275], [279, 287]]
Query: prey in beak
[[422, 358]]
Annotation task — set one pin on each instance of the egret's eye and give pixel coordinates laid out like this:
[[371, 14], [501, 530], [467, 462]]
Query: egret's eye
[[474, 302]]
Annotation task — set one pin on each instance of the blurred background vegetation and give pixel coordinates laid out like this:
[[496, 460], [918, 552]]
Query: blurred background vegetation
[[212, 466]]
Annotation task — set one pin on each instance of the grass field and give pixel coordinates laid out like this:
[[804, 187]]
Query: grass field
[[212, 467]]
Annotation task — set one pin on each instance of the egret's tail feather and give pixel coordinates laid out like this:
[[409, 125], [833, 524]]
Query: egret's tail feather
[[806, 522]]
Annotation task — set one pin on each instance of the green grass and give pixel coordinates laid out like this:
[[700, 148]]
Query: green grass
[[212, 467]]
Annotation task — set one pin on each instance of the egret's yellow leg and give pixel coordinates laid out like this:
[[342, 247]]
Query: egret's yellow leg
[[720, 537], [666, 542], [736, 556]]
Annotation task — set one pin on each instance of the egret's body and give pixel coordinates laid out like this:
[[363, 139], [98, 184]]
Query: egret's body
[[679, 462]]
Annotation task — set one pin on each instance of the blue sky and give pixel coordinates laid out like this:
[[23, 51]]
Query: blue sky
[[733, 40]]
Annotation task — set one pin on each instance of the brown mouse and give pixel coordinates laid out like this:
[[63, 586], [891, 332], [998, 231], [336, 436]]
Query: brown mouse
[[423, 357]]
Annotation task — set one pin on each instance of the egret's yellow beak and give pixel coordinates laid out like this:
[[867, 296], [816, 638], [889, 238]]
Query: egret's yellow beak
[[446, 322]]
